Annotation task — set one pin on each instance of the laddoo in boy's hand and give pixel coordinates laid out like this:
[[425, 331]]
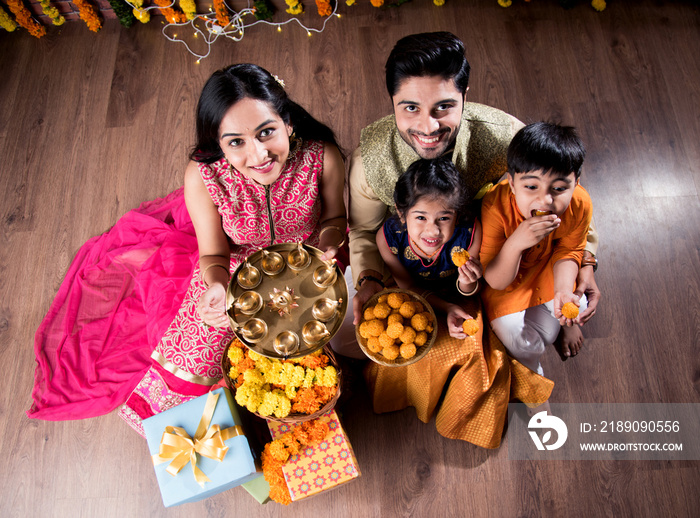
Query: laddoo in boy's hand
[[569, 310], [535, 212]]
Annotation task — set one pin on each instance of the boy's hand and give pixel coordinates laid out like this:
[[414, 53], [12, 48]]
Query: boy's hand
[[471, 271], [455, 316], [561, 298], [533, 230]]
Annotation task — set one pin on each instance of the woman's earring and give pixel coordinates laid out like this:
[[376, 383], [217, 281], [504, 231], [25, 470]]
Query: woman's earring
[[294, 142]]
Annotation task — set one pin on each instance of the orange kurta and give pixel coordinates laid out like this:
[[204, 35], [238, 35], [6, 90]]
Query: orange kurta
[[534, 284]]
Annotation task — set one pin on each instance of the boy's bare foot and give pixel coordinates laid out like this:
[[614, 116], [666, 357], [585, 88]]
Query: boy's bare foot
[[569, 342], [539, 408]]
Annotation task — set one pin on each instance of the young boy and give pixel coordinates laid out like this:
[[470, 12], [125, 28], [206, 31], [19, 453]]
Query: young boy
[[534, 231]]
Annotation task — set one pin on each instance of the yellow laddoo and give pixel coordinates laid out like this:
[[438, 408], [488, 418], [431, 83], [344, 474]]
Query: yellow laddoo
[[470, 327], [395, 300], [408, 309], [373, 344], [418, 307], [369, 313], [394, 329], [382, 298], [391, 352], [381, 310], [385, 340], [569, 310], [407, 350], [408, 335], [421, 338], [364, 329], [420, 321], [375, 327], [459, 257], [394, 318]]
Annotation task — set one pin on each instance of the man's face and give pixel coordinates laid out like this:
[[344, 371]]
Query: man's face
[[428, 114]]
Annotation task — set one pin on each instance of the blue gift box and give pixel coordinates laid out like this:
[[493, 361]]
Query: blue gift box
[[236, 468]]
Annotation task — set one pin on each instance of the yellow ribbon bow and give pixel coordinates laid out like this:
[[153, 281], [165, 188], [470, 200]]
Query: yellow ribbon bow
[[176, 444]]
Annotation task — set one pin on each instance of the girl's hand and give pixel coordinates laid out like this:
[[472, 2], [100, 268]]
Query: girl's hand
[[561, 298], [212, 306], [533, 230], [471, 271], [455, 316]]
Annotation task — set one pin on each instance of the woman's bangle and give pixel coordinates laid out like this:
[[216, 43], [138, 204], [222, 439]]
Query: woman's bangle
[[206, 269], [333, 227], [476, 288]]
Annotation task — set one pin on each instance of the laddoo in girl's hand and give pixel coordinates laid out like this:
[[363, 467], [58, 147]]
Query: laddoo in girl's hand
[[569, 310], [470, 327], [459, 256]]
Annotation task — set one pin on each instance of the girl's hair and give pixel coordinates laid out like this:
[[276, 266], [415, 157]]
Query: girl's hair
[[246, 81], [555, 149], [435, 178]]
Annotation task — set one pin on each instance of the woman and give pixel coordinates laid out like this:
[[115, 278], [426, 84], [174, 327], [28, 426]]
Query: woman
[[263, 171]]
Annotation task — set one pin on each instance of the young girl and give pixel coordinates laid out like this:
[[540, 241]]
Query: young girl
[[432, 222]]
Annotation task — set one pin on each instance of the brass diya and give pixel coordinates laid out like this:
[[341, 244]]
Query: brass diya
[[272, 263], [286, 343], [248, 276], [249, 303], [254, 330], [314, 331], [290, 299], [325, 309], [298, 258], [325, 275]]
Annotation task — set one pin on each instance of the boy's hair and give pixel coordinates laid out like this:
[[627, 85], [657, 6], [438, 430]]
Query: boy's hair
[[435, 178], [553, 148], [427, 54]]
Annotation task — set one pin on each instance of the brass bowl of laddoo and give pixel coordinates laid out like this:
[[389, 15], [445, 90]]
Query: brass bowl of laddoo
[[398, 328]]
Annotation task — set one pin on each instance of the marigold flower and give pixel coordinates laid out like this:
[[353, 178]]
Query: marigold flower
[[505, 3], [598, 5], [377, 3]]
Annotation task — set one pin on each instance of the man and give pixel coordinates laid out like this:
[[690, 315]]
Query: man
[[427, 78]]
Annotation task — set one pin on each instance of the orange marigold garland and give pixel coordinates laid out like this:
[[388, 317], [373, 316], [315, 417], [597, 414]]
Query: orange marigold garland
[[324, 7], [24, 18], [172, 14], [377, 3], [221, 11], [88, 15], [277, 452]]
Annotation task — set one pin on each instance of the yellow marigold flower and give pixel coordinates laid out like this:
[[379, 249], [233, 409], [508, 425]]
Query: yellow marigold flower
[[233, 372], [439, 2], [329, 378], [189, 8], [309, 378], [236, 355], [255, 356], [598, 5], [141, 15], [284, 406], [505, 3], [6, 22], [253, 377], [350, 2], [290, 392]]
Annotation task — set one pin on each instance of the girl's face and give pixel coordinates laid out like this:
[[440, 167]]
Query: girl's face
[[430, 223], [536, 190], [255, 140]]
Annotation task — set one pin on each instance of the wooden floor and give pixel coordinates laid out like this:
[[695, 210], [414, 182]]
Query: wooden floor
[[92, 125]]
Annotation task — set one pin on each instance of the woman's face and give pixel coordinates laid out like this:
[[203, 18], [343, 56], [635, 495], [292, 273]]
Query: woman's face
[[255, 140]]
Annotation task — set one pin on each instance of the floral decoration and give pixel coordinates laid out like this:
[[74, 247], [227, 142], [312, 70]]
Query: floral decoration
[[52, 12], [377, 3], [268, 386], [189, 8], [172, 14], [598, 5], [6, 22], [505, 3], [324, 7], [295, 7], [88, 15], [221, 11], [123, 12], [439, 2], [139, 12], [350, 2], [277, 452], [24, 18]]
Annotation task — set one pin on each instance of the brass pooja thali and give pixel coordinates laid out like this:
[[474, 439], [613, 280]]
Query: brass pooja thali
[[284, 302]]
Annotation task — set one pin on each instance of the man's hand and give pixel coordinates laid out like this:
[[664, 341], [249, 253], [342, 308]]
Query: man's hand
[[367, 289], [586, 285]]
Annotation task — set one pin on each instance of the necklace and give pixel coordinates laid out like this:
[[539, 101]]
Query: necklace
[[411, 244]]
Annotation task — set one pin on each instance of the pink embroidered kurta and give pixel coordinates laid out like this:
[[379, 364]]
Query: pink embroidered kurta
[[187, 361]]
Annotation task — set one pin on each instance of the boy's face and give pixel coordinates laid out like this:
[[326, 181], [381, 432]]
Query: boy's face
[[537, 190], [428, 114]]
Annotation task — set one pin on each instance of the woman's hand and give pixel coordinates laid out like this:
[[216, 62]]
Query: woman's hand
[[212, 306], [455, 316]]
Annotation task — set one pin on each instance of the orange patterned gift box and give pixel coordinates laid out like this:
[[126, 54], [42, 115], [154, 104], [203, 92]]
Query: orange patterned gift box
[[320, 466]]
